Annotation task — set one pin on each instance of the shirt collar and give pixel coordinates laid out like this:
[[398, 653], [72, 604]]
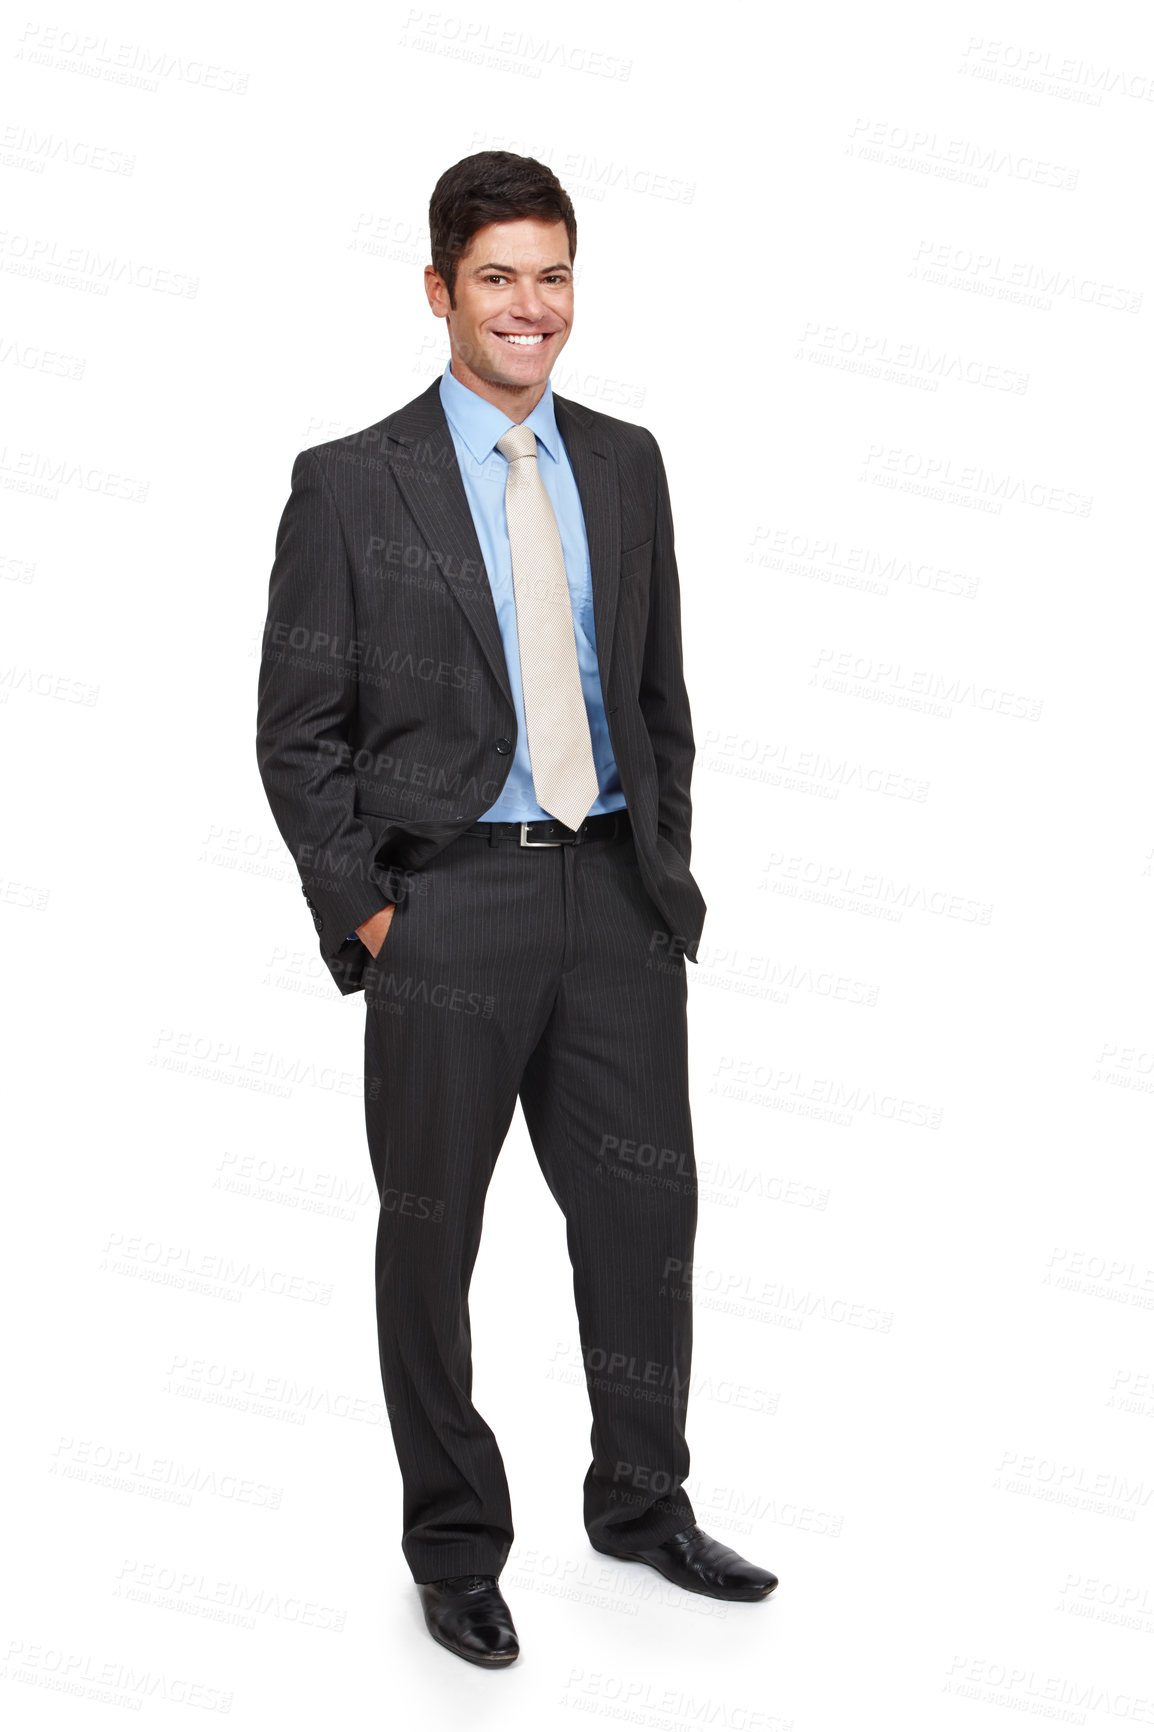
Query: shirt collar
[[480, 423]]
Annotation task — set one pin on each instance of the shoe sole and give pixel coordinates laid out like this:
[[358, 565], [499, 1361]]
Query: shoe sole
[[748, 1597]]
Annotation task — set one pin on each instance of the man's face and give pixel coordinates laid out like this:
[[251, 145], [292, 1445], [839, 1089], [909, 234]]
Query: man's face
[[514, 295]]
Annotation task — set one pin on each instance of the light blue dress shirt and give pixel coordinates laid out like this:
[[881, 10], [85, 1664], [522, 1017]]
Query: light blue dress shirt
[[476, 426]]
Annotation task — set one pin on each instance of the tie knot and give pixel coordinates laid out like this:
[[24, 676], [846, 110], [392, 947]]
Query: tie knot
[[518, 442]]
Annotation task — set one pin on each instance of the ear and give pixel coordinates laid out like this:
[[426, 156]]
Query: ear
[[437, 292]]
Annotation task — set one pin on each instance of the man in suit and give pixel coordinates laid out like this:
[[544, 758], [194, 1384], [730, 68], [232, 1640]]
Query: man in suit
[[475, 738]]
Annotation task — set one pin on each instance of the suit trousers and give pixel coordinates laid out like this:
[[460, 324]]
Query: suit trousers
[[542, 973]]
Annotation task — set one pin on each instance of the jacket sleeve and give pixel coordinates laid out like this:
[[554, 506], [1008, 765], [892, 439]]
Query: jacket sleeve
[[306, 703], [664, 699]]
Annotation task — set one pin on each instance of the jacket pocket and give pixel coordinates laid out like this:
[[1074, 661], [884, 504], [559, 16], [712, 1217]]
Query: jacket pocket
[[637, 560]]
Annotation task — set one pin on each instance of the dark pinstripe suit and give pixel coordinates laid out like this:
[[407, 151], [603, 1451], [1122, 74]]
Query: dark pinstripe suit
[[385, 727]]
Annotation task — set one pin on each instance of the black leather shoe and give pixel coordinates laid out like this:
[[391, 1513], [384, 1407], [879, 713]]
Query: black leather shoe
[[700, 1565], [468, 1615]]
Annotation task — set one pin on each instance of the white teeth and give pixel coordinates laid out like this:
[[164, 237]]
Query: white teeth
[[523, 341]]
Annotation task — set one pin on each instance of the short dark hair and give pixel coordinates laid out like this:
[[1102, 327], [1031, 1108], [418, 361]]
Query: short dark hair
[[494, 186]]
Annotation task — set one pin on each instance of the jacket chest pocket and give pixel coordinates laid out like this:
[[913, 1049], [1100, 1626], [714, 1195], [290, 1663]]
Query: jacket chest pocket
[[636, 561]]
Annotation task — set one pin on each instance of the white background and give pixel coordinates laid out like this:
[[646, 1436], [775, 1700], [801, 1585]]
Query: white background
[[881, 279]]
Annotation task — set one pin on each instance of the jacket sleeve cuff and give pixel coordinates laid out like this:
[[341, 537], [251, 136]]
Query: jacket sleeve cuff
[[336, 924]]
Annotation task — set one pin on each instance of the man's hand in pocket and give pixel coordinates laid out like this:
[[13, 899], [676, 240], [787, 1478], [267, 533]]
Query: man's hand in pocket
[[372, 932]]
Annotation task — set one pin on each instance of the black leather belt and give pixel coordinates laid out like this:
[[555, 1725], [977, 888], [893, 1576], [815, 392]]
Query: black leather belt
[[551, 832]]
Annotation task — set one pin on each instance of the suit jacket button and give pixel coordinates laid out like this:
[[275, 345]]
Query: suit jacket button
[[504, 745]]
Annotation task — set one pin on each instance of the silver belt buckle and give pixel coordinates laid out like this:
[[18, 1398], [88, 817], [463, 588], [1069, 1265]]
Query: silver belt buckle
[[525, 842]]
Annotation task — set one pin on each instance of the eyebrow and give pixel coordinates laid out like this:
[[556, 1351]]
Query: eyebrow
[[511, 271]]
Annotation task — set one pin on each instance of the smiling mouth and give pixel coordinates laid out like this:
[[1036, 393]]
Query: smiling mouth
[[522, 340]]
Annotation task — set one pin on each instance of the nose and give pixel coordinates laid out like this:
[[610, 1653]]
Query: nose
[[527, 303]]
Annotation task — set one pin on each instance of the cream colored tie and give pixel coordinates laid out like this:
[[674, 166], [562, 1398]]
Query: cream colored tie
[[560, 748]]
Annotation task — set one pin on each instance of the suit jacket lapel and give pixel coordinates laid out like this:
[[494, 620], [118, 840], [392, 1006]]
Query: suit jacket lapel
[[423, 459]]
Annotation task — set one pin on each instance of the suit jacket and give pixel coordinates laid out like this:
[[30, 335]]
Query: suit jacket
[[385, 721]]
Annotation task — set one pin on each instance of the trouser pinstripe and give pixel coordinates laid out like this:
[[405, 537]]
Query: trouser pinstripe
[[543, 973]]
